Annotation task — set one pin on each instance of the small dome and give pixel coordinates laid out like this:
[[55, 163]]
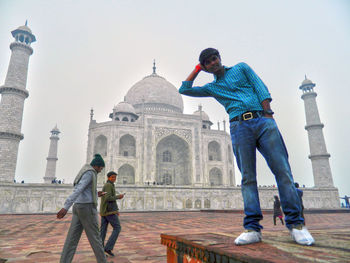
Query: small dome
[[124, 107], [25, 28], [205, 116], [55, 130], [156, 94], [306, 82]]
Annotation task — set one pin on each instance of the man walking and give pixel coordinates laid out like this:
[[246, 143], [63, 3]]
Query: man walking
[[247, 101], [110, 213], [84, 217]]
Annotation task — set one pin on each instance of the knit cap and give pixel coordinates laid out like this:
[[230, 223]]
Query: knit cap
[[98, 161]]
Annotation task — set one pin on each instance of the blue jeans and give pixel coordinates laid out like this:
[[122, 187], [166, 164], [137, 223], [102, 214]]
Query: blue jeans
[[262, 133], [114, 221]]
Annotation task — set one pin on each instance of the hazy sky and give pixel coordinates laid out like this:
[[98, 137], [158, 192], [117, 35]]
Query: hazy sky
[[90, 53]]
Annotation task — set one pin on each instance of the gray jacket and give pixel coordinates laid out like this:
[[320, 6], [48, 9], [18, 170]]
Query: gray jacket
[[82, 192]]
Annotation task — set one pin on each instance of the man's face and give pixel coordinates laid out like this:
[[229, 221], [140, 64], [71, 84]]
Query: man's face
[[212, 64], [98, 169], [112, 178]]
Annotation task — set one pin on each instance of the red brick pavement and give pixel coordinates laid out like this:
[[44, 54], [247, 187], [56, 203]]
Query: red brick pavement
[[40, 238]]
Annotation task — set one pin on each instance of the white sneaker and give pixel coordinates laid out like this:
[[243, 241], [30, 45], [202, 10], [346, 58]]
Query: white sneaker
[[302, 236], [248, 237]]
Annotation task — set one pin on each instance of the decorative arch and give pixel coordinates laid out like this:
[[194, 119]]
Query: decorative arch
[[100, 145], [188, 203], [127, 145], [206, 203], [229, 153], [232, 179], [214, 151], [198, 204], [126, 174], [166, 179], [215, 177], [167, 156], [173, 159]]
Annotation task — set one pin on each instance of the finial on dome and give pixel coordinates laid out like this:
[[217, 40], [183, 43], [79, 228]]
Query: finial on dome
[[26, 22], [200, 107], [154, 66]]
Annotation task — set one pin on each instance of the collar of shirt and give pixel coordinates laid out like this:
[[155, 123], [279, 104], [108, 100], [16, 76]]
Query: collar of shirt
[[226, 69]]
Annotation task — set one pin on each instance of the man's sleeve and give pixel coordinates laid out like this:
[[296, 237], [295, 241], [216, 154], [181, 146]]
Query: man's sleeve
[[187, 89], [258, 85], [83, 183], [108, 195]]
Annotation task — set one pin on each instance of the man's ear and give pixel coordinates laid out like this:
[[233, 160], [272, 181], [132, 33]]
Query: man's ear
[[204, 68]]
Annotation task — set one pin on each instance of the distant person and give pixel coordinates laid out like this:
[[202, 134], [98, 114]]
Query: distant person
[[110, 213], [247, 101], [346, 198], [300, 194], [277, 212], [84, 197]]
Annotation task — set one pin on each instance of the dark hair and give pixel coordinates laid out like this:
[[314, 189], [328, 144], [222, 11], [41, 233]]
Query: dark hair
[[296, 185], [207, 53], [109, 174]]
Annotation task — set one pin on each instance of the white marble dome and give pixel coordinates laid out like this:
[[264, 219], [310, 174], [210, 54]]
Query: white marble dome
[[25, 28], [124, 107], [306, 82], [205, 116], [156, 93]]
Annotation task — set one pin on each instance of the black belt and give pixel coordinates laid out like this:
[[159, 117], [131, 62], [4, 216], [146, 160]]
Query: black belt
[[247, 116]]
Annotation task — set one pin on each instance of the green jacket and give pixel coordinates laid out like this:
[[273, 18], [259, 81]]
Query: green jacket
[[110, 196]]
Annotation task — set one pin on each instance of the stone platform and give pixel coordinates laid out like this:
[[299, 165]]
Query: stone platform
[[40, 238]]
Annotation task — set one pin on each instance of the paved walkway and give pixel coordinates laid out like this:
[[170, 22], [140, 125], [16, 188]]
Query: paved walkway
[[40, 238]]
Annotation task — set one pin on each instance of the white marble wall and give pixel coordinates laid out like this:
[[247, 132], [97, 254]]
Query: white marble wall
[[49, 198]]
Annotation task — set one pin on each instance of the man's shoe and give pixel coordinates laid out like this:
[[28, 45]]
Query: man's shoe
[[248, 237], [109, 252], [301, 235]]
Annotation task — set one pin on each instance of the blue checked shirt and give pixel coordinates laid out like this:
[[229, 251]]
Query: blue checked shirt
[[239, 90]]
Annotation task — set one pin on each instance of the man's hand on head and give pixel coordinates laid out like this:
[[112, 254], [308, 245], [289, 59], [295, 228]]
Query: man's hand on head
[[198, 68]]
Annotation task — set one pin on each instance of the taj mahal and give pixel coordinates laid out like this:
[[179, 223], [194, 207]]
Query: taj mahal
[[166, 160], [150, 141]]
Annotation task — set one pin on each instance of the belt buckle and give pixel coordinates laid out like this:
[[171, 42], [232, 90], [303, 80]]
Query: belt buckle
[[247, 116]]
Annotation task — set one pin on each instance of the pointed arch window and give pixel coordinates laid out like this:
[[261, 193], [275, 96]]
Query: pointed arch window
[[167, 157]]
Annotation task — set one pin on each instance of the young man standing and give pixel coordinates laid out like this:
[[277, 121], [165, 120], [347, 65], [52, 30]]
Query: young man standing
[[110, 213], [84, 217], [247, 101]]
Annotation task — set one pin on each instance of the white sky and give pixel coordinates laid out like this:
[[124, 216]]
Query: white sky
[[90, 53]]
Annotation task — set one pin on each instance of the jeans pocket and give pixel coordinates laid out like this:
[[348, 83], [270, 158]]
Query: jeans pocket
[[233, 126]]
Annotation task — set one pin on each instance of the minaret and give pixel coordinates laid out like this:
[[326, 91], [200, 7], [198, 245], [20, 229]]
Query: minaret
[[318, 151], [13, 93], [52, 157]]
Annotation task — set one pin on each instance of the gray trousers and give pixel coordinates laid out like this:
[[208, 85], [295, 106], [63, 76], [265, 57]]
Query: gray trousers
[[84, 217]]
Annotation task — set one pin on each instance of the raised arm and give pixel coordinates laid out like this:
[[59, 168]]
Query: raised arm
[[187, 85]]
